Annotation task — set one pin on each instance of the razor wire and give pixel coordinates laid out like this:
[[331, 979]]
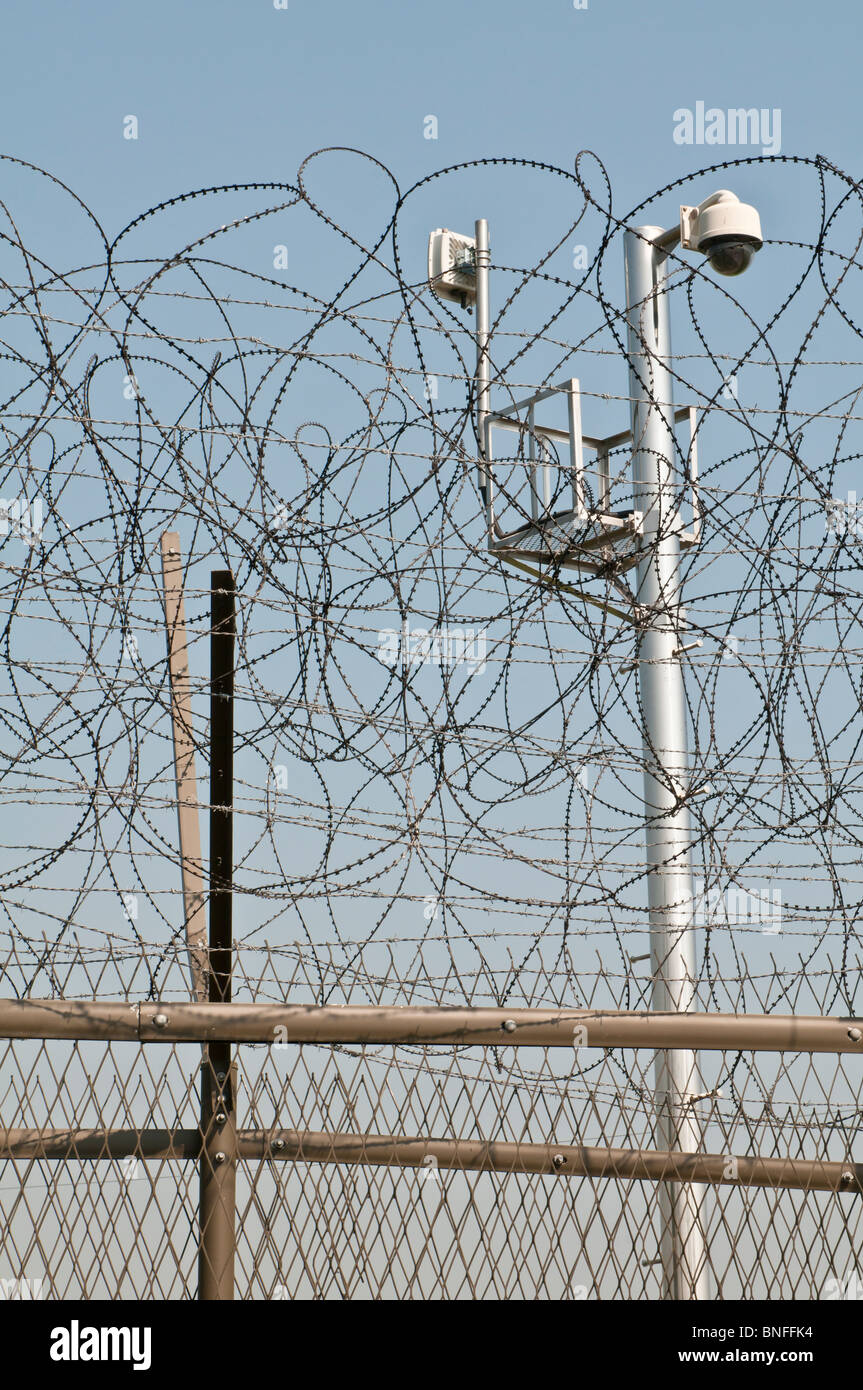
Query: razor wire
[[439, 758], [436, 755]]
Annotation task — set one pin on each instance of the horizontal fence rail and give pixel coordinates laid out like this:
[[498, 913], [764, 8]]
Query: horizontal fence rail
[[353, 1150], [403, 1026], [396, 1151]]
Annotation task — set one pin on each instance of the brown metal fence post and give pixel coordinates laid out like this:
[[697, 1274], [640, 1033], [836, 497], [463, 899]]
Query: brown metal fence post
[[218, 1163]]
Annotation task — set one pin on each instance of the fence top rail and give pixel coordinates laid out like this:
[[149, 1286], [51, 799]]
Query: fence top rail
[[91, 1020]]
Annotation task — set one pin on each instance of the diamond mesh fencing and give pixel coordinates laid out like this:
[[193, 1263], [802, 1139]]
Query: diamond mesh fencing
[[127, 1227]]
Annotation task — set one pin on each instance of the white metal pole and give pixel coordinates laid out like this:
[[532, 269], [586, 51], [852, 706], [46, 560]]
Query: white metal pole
[[657, 491]]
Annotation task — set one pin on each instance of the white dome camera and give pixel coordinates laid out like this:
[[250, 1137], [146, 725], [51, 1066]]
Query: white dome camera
[[723, 229]]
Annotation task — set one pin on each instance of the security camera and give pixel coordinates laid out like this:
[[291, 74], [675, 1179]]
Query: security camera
[[723, 229]]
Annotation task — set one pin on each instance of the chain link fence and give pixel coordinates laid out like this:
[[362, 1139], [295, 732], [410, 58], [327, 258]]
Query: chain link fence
[[351, 1217]]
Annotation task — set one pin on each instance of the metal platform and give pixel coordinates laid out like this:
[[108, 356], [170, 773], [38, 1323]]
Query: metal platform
[[576, 540], [591, 539]]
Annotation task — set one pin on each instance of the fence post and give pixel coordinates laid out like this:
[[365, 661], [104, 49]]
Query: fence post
[[184, 765], [218, 1163]]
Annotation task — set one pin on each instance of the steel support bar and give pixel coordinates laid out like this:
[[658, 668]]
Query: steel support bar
[[222, 641], [71, 1144], [475, 1155], [218, 1155], [85, 1020]]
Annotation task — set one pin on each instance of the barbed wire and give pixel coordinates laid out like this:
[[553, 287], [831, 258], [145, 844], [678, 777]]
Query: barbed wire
[[431, 747]]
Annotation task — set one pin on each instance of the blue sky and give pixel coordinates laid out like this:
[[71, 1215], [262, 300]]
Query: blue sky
[[235, 93], [235, 89]]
